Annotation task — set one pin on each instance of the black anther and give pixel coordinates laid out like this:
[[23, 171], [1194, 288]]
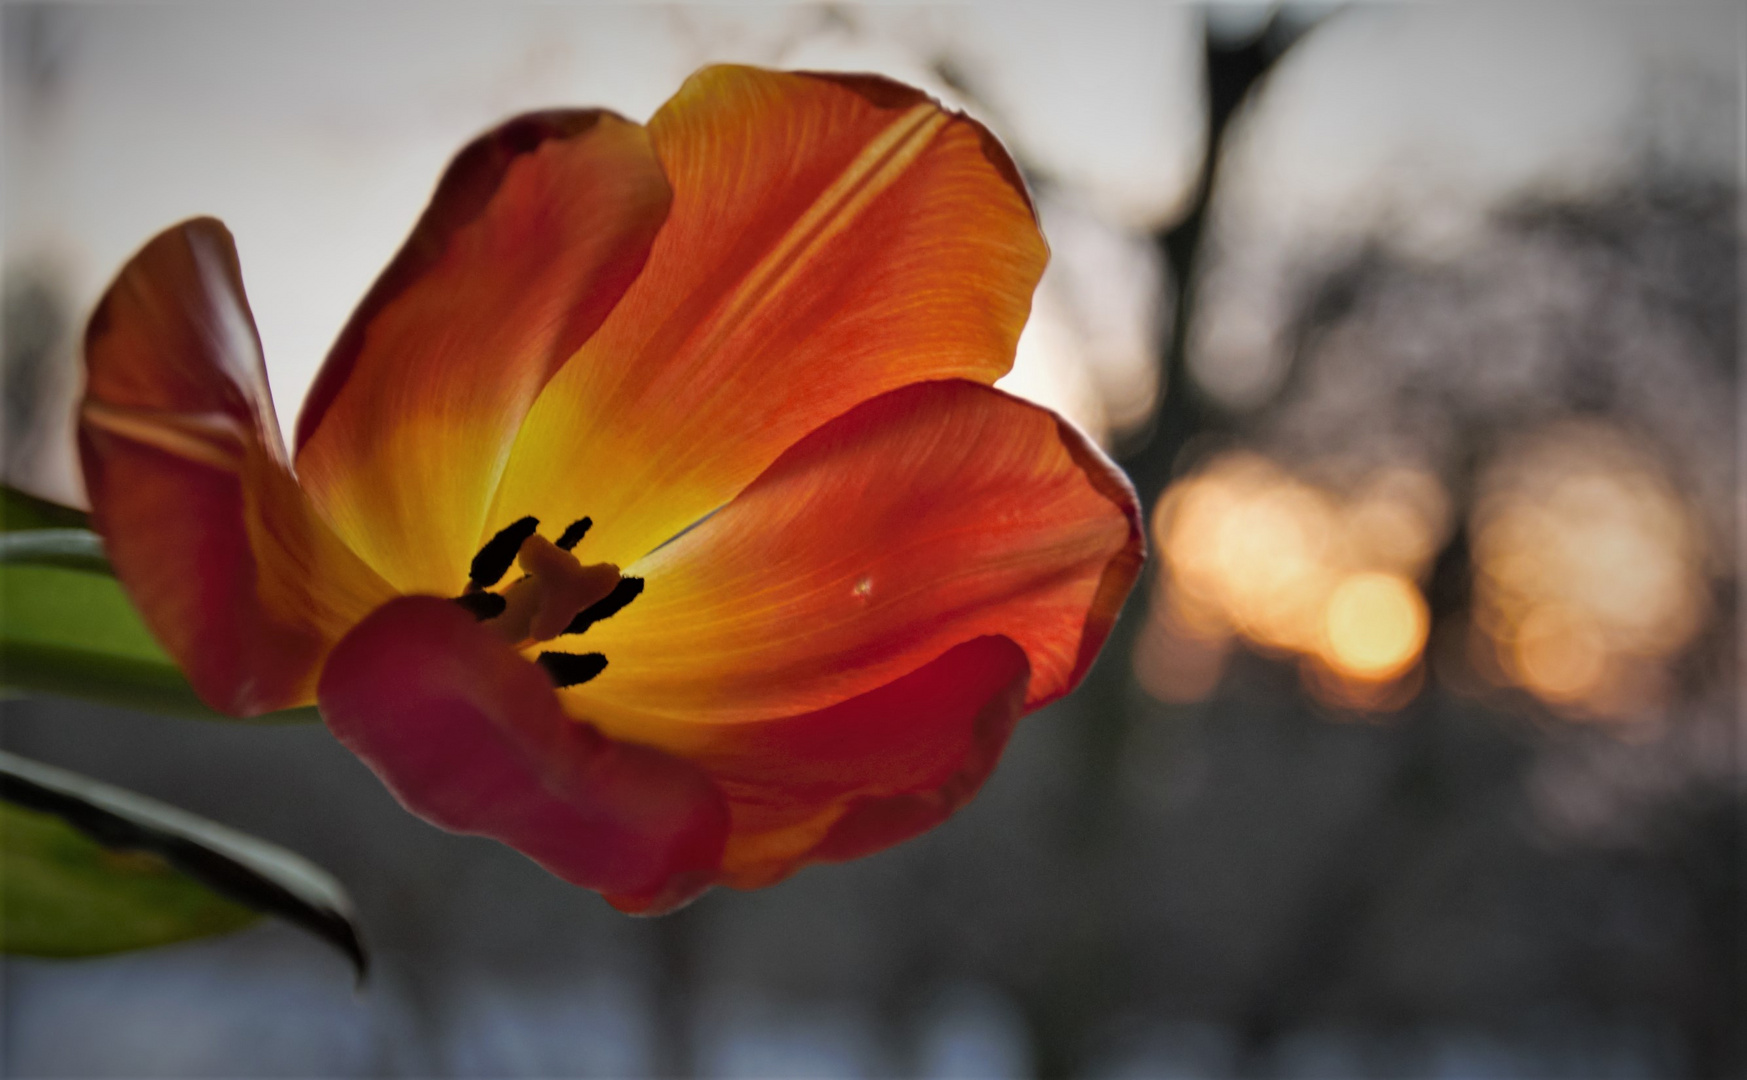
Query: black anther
[[574, 532], [482, 605], [571, 669], [494, 559], [627, 590]]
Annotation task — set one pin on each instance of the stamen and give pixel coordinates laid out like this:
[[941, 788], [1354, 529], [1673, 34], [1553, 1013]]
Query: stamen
[[482, 605], [574, 532], [627, 590], [494, 559], [571, 669]]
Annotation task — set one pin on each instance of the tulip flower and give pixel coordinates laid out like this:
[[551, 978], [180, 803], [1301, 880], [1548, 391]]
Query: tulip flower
[[653, 514]]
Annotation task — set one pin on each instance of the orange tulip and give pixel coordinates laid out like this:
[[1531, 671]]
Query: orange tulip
[[750, 345]]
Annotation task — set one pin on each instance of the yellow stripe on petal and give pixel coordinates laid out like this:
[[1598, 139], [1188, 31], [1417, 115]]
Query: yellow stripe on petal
[[877, 168], [212, 439]]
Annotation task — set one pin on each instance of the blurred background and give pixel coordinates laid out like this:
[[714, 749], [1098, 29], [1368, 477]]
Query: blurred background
[[1417, 751]]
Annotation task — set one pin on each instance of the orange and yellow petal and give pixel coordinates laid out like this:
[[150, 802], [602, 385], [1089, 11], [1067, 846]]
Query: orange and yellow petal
[[926, 517], [229, 565], [470, 736], [831, 238], [532, 236], [932, 516]]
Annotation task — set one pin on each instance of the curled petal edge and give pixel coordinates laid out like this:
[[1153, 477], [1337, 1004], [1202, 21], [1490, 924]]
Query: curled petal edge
[[1122, 571], [874, 822], [864, 774]]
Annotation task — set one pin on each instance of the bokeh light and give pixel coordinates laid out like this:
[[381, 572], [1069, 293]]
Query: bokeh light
[[1589, 571], [1251, 552], [1375, 624], [1089, 349]]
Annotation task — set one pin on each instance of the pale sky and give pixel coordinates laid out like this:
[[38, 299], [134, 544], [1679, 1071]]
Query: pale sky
[[317, 130]]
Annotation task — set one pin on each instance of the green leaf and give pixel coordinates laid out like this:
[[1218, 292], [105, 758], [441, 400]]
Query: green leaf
[[74, 633], [21, 511], [83, 898], [63, 894]]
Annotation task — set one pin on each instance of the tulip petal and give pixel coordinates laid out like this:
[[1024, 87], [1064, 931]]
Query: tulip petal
[[856, 777], [231, 568], [532, 236], [469, 735], [831, 238], [932, 515]]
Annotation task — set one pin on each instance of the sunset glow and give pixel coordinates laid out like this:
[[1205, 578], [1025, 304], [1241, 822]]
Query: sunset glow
[[1376, 625], [1252, 552], [1589, 571]]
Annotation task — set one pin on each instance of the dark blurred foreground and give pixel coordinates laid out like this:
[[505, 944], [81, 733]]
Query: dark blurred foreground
[[1255, 892]]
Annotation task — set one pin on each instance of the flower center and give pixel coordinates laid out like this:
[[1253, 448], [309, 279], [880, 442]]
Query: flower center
[[555, 596]]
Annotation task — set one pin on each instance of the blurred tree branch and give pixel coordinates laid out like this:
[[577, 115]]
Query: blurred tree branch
[[1076, 985], [1234, 70]]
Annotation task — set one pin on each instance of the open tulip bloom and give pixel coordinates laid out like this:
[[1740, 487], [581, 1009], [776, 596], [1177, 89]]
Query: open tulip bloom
[[653, 514]]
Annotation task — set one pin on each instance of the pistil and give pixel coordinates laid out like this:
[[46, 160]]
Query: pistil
[[555, 595], [556, 587]]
